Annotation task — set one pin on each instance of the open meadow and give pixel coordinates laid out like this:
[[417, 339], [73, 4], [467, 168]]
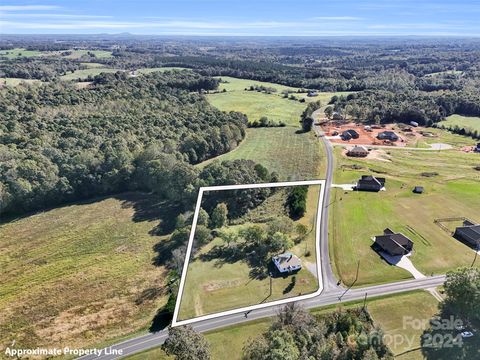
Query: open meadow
[[17, 81], [463, 122], [452, 188], [274, 148], [81, 273], [19, 52], [85, 73]]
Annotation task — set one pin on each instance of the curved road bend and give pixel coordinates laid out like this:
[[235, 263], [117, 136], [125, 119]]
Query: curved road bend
[[330, 295]]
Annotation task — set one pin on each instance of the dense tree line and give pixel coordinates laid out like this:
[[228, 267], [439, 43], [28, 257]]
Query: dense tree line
[[44, 68], [58, 143], [405, 106], [295, 334], [235, 172]]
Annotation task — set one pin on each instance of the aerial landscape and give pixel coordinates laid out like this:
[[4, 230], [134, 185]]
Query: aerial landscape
[[240, 180]]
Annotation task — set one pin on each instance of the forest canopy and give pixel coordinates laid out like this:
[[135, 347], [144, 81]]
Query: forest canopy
[[59, 143]]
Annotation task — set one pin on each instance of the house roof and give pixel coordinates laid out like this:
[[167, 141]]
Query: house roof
[[358, 148], [471, 231], [287, 259], [372, 179], [392, 242]]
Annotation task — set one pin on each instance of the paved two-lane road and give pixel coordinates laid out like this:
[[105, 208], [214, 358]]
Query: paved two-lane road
[[330, 295]]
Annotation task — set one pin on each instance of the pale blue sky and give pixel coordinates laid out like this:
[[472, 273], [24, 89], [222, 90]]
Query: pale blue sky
[[245, 17]]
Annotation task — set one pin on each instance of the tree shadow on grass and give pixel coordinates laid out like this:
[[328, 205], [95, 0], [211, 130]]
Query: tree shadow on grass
[[256, 260], [161, 320], [149, 207]]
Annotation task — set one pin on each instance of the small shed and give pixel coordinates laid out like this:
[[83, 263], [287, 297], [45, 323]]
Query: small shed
[[418, 189]]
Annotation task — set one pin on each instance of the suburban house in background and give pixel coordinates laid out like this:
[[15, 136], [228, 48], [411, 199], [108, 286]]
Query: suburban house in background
[[394, 244], [468, 233], [349, 134], [287, 262], [358, 151], [387, 135], [370, 183]]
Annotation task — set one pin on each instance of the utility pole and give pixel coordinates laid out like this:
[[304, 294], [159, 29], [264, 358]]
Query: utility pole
[[270, 284], [476, 254], [354, 281], [365, 301]]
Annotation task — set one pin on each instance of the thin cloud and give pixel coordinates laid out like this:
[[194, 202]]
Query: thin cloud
[[28, 7], [53, 16], [338, 18]]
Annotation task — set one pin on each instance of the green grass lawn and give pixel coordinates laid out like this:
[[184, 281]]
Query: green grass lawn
[[17, 81], [236, 84], [355, 217], [80, 274], [387, 312], [463, 122], [255, 105], [85, 73], [215, 285], [392, 314], [19, 52], [294, 156]]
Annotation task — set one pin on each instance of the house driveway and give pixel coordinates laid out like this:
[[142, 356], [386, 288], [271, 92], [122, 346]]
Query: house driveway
[[405, 263]]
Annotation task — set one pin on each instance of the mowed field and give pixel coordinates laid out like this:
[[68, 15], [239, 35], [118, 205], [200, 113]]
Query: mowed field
[[17, 81], [452, 189], [386, 312], [463, 122], [85, 73], [257, 104], [294, 156], [19, 52], [214, 284], [80, 274], [395, 313]]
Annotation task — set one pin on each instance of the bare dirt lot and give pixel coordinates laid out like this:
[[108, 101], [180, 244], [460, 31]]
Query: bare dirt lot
[[332, 129]]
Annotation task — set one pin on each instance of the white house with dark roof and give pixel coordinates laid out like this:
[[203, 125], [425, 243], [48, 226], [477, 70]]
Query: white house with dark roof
[[287, 262]]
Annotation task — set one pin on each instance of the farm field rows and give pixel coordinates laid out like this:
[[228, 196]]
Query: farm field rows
[[451, 187]]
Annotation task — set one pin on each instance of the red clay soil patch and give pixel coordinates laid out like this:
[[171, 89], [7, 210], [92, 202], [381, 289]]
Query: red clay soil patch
[[365, 138]]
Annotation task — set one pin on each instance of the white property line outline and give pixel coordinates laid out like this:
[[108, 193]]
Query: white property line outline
[[245, 309]]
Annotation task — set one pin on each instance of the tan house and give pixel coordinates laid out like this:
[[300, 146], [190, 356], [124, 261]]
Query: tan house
[[358, 151]]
